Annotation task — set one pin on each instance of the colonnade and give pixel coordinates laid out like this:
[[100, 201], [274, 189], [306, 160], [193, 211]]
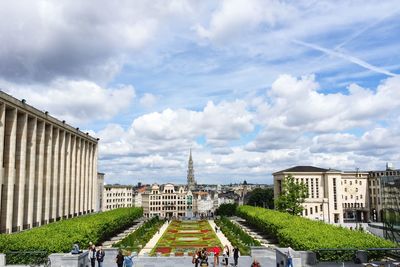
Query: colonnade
[[49, 169]]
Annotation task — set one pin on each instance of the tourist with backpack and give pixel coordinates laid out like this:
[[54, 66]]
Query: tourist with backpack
[[128, 260]]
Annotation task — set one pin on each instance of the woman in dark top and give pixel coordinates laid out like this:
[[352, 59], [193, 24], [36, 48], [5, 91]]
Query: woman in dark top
[[119, 259]]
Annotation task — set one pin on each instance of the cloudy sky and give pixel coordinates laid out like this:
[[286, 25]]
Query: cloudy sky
[[251, 86]]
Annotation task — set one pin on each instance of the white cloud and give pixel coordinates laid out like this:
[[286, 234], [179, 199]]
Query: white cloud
[[76, 101], [148, 100]]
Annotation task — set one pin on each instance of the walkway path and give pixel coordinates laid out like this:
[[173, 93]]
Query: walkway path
[[153, 241], [122, 235], [265, 240], [220, 235]]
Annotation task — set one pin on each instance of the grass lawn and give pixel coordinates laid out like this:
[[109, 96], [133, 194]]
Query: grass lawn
[[186, 236]]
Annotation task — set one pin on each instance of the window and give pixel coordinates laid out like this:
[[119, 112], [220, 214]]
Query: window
[[316, 209], [360, 182], [311, 210]]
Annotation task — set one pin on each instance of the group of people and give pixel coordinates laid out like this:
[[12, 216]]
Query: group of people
[[96, 255], [99, 254], [200, 257]]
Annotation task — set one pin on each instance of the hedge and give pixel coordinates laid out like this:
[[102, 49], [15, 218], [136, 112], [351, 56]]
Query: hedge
[[305, 234], [60, 236]]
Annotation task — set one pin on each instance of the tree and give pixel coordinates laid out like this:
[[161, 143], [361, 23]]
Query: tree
[[292, 196], [226, 209], [261, 197]]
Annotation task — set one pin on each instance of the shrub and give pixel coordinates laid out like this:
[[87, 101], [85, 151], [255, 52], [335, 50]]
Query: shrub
[[139, 238], [60, 236], [226, 209], [304, 234]]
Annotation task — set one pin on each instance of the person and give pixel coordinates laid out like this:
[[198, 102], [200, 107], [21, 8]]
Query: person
[[226, 254], [128, 260], [100, 256], [92, 255], [196, 257], [75, 249], [119, 259], [216, 255], [204, 257], [236, 255], [289, 255], [255, 263]]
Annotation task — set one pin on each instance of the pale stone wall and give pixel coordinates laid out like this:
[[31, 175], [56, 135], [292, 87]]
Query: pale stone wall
[[49, 168]]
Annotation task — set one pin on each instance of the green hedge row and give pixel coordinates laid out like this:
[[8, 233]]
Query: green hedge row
[[304, 234], [139, 238], [60, 236], [236, 235]]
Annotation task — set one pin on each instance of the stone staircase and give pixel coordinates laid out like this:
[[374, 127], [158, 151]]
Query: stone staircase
[[136, 224]]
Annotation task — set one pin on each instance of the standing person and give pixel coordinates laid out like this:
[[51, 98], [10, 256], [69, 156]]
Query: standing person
[[289, 255], [100, 256], [226, 254], [119, 259], [216, 255], [92, 255], [196, 257], [236, 255], [128, 260]]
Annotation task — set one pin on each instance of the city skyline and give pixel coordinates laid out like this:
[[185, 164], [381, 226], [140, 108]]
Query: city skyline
[[252, 87]]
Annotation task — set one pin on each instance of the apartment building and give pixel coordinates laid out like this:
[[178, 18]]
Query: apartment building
[[118, 196]]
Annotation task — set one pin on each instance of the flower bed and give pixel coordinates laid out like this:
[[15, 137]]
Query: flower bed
[[178, 239]]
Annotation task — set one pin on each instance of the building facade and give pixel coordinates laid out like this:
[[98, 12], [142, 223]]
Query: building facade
[[100, 190], [118, 196], [167, 201], [333, 196], [49, 169]]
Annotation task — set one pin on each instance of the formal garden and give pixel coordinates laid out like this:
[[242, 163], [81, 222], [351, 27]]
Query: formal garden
[[185, 236]]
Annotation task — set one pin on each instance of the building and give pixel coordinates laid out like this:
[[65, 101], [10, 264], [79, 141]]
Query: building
[[333, 196], [390, 195], [191, 181], [49, 168], [167, 201], [100, 190], [204, 203], [118, 196]]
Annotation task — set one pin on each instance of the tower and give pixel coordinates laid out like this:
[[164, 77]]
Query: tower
[[190, 174]]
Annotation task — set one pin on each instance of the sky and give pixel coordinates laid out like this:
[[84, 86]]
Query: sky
[[251, 86]]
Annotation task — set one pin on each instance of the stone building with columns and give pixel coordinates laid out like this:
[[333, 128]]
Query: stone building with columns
[[49, 168]]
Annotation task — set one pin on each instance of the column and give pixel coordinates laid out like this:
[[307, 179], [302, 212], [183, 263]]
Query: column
[[95, 198], [47, 171], [73, 175], [54, 175], [83, 173], [82, 178], [87, 177], [20, 178], [2, 126], [30, 168], [67, 195], [77, 175], [90, 178], [9, 167], [39, 173], [61, 166]]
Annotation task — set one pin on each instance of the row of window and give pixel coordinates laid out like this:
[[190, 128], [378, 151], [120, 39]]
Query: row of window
[[351, 197], [312, 209], [119, 200], [180, 202], [351, 182], [118, 194], [170, 208], [353, 205], [166, 197]]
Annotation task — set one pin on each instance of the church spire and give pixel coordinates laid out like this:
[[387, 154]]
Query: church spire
[[190, 173]]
